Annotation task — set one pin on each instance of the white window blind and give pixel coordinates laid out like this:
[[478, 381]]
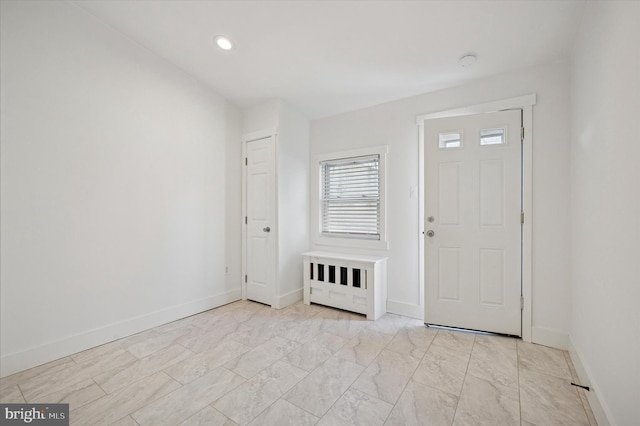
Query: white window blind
[[351, 197]]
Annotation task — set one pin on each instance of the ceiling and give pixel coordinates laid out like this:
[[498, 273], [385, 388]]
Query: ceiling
[[328, 57]]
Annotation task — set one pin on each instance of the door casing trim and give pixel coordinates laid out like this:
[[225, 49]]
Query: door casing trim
[[525, 103]]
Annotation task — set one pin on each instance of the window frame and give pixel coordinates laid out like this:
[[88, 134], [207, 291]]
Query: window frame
[[356, 197], [337, 240]]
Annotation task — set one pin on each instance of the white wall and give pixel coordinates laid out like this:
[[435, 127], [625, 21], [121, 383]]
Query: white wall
[[264, 116], [113, 186], [393, 124], [605, 178], [293, 201], [292, 177], [233, 200]]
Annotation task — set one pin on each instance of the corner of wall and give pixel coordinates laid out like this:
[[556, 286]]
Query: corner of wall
[[604, 331], [233, 197], [261, 117], [125, 217], [50, 351], [598, 406], [293, 200], [549, 337]]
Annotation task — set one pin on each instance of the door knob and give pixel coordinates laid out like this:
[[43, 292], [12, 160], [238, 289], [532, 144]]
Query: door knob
[[430, 233], [267, 229]]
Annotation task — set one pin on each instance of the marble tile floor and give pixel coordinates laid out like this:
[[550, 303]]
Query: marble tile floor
[[247, 364]]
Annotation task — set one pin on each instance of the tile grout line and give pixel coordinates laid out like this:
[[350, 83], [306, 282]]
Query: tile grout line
[[21, 393], [455, 412], [581, 392], [412, 374], [518, 373], [386, 347], [124, 417], [177, 389], [351, 384], [564, 379], [355, 380], [295, 405], [83, 366], [105, 392], [308, 373], [364, 370], [320, 331], [281, 396]]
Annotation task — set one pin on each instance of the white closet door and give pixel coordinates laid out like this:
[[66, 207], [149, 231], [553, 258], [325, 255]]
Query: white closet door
[[261, 213]]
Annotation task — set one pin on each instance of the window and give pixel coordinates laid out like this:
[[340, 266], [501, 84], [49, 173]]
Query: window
[[351, 197], [492, 137], [449, 140]]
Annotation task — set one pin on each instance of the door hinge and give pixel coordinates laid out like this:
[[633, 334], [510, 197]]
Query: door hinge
[[522, 133], [245, 278], [245, 220], [246, 161], [521, 302], [522, 218]]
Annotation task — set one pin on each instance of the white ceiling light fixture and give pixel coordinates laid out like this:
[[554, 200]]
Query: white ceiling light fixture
[[223, 42], [467, 61]]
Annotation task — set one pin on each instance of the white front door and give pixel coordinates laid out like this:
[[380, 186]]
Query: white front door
[[260, 220], [472, 222]]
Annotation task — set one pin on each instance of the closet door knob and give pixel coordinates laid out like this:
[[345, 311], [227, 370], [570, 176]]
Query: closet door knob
[[267, 229]]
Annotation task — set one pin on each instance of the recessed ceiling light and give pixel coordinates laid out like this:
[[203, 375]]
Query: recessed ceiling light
[[223, 42], [467, 60]]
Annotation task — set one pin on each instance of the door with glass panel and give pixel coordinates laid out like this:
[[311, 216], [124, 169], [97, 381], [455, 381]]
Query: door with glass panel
[[473, 186]]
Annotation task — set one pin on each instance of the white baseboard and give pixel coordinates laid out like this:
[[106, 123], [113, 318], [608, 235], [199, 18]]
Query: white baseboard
[[288, 298], [15, 362], [598, 405], [549, 337], [405, 309]]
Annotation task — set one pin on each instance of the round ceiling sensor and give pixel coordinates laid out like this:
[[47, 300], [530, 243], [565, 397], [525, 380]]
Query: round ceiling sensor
[[467, 60], [223, 42]]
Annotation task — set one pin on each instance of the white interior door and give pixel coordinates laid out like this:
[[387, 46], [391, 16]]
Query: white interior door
[[472, 222], [260, 220]]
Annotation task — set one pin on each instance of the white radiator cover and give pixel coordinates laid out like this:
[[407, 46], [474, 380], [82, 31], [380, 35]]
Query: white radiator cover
[[350, 282]]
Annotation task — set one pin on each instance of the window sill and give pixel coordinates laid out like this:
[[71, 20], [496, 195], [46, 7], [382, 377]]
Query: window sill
[[351, 243]]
